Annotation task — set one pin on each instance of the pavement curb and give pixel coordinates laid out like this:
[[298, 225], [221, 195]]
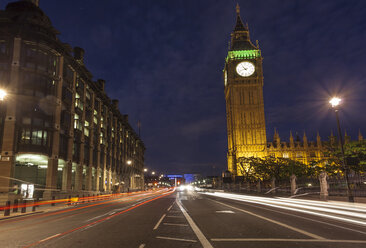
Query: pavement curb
[[20, 215]]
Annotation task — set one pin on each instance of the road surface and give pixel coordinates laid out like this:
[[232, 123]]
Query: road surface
[[191, 219]]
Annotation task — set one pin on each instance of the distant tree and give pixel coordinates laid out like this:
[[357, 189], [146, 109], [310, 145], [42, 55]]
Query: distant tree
[[248, 167], [355, 156]]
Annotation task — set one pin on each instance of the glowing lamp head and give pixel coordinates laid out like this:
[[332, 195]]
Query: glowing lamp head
[[129, 162], [2, 94], [145, 170], [335, 101], [153, 173]]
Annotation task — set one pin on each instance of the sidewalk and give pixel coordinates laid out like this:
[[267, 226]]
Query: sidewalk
[[38, 210]]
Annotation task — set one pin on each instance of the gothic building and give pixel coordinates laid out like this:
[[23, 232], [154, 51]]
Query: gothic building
[[59, 131], [246, 129]]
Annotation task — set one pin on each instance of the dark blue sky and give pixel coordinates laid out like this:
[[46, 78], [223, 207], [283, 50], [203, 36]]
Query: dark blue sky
[[163, 60]]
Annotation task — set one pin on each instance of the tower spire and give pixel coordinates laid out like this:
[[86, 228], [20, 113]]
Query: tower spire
[[239, 26], [240, 39]]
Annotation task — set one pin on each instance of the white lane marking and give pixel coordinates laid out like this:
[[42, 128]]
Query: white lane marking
[[50, 237], [142, 246], [305, 218], [170, 207], [292, 240], [160, 220], [112, 213], [172, 216], [169, 238], [273, 221], [96, 217], [204, 242], [224, 212], [174, 224], [363, 223]]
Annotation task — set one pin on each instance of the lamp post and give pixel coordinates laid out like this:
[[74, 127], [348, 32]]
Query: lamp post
[[2, 94], [335, 101]]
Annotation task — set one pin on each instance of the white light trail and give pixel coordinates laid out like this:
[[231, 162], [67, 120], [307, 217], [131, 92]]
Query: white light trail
[[325, 210]]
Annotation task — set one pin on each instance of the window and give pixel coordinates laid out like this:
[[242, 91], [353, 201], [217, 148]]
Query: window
[[299, 154], [78, 103], [34, 137], [87, 95], [86, 128], [77, 123], [86, 132], [40, 60]]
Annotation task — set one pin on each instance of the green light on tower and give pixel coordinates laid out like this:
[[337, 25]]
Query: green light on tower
[[243, 54]]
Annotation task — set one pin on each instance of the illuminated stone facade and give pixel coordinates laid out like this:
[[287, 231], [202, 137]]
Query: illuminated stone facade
[[59, 130], [246, 128]]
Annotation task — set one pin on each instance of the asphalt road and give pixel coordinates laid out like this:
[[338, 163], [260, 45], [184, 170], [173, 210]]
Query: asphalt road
[[191, 219]]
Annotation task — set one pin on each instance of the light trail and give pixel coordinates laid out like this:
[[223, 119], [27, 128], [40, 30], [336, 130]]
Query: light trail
[[135, 198], [100, 220], [126, 198], [325, 210]]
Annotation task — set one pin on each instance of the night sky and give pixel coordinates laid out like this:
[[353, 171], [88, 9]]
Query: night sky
[[163, 60]]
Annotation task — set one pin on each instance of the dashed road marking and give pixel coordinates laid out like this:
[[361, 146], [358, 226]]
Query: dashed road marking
[[170, 207], [225, 212], [160, 220], [169, 238], [174, 224], [172, 216], [142, 246], [50, 237]]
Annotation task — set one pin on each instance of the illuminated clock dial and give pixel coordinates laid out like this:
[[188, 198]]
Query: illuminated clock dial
[[245, 69]]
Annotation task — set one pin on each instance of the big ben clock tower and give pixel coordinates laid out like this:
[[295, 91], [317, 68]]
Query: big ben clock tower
[[243, 79]]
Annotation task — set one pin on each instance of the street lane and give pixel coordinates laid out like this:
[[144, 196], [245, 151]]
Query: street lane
[[234, 223], [34, 229], [190, 219]]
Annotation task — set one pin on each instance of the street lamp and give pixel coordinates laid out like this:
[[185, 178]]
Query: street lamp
[[2, 94], [335, 101], [145, 170], [153, 173], [129, 162]]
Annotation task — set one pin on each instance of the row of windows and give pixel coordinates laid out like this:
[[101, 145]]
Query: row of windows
[[40, 60], [33, 84], [34, 136], [297, 155]]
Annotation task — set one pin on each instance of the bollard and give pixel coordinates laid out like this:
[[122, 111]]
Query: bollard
[[88, 198], [69, 201], [15, 208], [34, 205], [24, 206], [53, 201], [82, 199], [7, 208]]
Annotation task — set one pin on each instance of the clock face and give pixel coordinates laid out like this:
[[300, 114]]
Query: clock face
[[245, 69]]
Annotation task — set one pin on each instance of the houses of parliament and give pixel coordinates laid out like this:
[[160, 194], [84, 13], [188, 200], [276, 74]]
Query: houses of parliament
[[246, 128]]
